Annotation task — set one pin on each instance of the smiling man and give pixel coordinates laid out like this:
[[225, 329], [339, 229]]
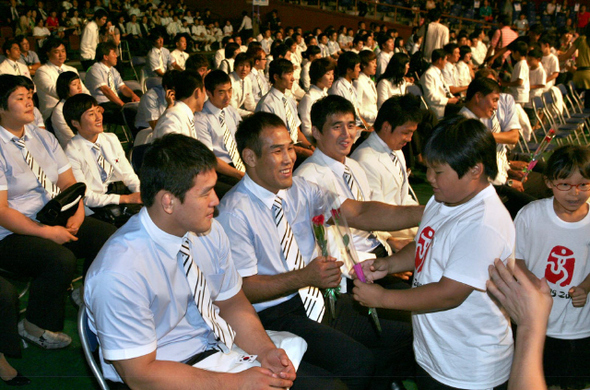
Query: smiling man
[[267, 217], [242, 96], [163, 295]]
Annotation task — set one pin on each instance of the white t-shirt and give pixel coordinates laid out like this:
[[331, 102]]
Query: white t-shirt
[[536, 77], [469, 346], [551, 65], [560, 252], [521, 93]]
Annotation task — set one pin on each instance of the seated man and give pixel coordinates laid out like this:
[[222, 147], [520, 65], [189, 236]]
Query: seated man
[[231, 50], [164, 294], [260, 85], [189, 94], [179, 54], [11, 64], [28, 56], [158, 58], [276, 102], [216, 125], [267, 217], [242, 96], [99, 161], [105, 84], [154, 102], [436, 91], [46, 76], [450, 72], [381, 156]]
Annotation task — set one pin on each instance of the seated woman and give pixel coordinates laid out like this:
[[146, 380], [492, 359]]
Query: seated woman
[[68, 84], [33, 169], [393, 81], [98, 160], [321, 75]]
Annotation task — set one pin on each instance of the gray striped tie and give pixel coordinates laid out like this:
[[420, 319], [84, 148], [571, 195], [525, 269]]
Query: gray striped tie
[[230, 144], [104, 165], [352, 184], [312, 298], [51, 188], [202, 296], [290, 121]]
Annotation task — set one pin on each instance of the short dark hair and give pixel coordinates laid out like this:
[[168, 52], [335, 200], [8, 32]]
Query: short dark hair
[[566, 159], [486, 72], [8, 84], [164, 168], [185, 84], [215, 78], [230, 49], [347, 60], [196, 61], [8, 45], [437, 54], [255, 52], [312, 50], [483, 85], [519, 47], [463, 51], [104, 49], [434, 14], [241, 59], [535, 53], [154, 36], [168, 79], [279, 50], [181, 35], [319, 68], [399, 110], [249, 130], [382, 39], [279, 67], [462, 143], [100, 13], [331, 104], [76, 106], [62, 85], [52, 43], [505, 20], [366, 56], [449, 48]]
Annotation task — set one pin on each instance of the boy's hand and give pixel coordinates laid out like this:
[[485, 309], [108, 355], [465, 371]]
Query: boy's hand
[[367, 294], [374, 269], [579, 296]]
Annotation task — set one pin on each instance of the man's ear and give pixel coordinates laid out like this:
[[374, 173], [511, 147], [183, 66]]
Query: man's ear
[[315, 132], [249, 157], [386, 128], [167, 201], [76, 125], [477, 171]]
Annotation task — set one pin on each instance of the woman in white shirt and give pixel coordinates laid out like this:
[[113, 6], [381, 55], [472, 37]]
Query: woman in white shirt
[[313, 52], [464, 68], [399, 46], [321, 73], [67, 85], [393, 81], [365, 87]]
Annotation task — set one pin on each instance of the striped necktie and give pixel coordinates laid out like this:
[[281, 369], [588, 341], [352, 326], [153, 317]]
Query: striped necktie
[[352, 184], [198, 285], [290, 121], [111, 81], [230, 144], [17, 69], [105, 167], [311, 296], [399, 166], [42, 178], [259, 85]]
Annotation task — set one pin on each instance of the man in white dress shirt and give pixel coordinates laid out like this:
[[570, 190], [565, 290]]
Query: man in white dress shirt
[[158, 58], [216, 125], [242, 96], [437, 34], [436, 92], [46, 76], [89, 39], [155, 102], [11, 64], [366, 91], [260, 84], [189, 93], [175, 251], [321, 74], [450, 72], [276, 102], [179, 54], [97, 158], [105, 84], [267, 40], [383, 160], [384, 56]]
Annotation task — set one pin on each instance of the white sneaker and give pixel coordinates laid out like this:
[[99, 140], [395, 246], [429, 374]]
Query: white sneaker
[[48, 340]]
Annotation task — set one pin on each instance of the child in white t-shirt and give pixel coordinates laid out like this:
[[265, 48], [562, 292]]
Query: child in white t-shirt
[[553, 241], [537, 80], [519, 82], [462, 339], [550, 62]]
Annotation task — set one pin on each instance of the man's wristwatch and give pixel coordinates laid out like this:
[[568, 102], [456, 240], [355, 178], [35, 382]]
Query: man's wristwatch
[[509, 182]]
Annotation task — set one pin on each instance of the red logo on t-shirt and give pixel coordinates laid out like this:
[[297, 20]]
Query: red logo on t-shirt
[[560, 266], [423, 246]]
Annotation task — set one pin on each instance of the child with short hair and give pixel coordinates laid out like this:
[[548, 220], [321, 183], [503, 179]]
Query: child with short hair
[[519, 82], [537, 80], [461, 337], [550, 61], [552, 241]]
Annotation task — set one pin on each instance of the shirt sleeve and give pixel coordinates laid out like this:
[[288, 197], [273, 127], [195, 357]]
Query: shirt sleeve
[[202, 126], [242, 249]]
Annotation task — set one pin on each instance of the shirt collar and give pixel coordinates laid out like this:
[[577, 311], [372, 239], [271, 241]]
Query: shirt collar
[[335, 166], [381, 145], [57, 68], [170, 243], [89, 144], [7, 136], [212, 109], [184, 107], [278, 94], [265, 196]]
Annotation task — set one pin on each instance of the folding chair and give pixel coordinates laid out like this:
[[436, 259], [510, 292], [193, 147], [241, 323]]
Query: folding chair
[[89, 346], [126, 57], [575, 124], [546, 123]]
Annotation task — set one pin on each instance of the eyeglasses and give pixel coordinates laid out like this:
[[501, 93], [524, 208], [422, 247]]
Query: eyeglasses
[[566, 187]]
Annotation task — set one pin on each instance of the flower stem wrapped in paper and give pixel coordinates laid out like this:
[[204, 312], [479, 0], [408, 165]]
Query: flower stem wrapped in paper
[[537, 154], [321, 238], [348, 250]]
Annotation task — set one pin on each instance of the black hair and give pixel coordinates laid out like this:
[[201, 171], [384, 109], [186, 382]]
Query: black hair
[[62, 85], [565, 160], [100, 13], [185, 84], [215, 78], [279, 67], [165, 169], [249, 130], [437, 54], [463, 51], [255, 52], [331, 104], [396, 69], [104, 49], [462, 143], [168, 79], [483, 85], [535, 53], [279, 51], [347, 60], [8, 45], [178, 36], [382, 39], [76, 106], [197, 61], [9, 84], [434, 14], [312, 50], [242, 58], [505, 20], [230, 49], [520, 47], [449, 48], [366, 56], [319, 68], [155, 35], [399, 110], [52, 43]]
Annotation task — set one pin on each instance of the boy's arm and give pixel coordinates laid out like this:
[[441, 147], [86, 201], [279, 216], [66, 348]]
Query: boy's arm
[[515, 83], [442, 295], [553, 76], [579, 293], [401, 261]]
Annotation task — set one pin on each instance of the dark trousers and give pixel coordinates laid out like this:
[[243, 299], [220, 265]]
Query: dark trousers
[[114, 114], [9, 339], [567, 362], [51, 267], [425, 382], [86, 64]]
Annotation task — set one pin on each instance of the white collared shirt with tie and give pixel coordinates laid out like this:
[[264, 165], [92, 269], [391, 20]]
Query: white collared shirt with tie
[[242, 97]]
